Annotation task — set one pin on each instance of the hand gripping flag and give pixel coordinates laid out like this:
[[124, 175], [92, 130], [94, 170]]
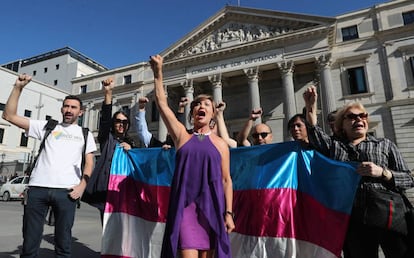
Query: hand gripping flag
[[289, 202]]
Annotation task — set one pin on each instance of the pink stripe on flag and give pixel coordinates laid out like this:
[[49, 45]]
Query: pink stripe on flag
[[289, 214], [137, 199]]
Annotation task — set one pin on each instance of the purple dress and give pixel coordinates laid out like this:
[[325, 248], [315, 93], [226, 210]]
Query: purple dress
[[197, 186]]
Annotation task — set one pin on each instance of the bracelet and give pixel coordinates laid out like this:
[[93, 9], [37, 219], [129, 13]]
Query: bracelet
[[86, 178], [385, 173], [229, 213]]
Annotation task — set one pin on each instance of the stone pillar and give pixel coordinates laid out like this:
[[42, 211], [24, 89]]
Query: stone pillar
[[132, 100], [217, 87], [134, 109], [289, 107], [138, 94], [326, 87], [189, 93], [162, 128], [115, 105], [253, 84], [87, 115]]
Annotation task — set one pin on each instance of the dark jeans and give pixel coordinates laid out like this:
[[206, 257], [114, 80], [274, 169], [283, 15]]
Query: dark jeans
[[363, 242], [35, 211]]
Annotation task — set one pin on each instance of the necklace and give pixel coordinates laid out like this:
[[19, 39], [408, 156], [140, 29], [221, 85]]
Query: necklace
[[201, 136]]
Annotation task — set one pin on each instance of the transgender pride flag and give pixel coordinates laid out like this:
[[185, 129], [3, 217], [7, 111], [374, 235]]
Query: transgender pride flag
[[289, 202]]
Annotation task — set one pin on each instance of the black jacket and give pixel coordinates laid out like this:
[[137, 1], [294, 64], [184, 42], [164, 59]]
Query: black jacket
[[97, 188]]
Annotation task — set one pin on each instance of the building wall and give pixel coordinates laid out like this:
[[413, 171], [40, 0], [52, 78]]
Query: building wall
[[60, 71], [42, 100], [57, 67], [383, 49]]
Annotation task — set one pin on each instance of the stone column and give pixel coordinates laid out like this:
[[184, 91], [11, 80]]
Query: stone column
[[87, 116], [162, 128], [138, 94], [326, 87], [134, 109], [189, 93], [132, 100], [253, 83], [115, 105], [286, 69], [217, 87]]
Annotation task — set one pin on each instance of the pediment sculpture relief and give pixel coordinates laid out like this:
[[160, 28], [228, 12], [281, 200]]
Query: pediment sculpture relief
[[233, 34]]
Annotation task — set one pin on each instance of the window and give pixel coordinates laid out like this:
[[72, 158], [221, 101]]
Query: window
[[27, 113], [83, 88], [18, 180], [349, 33], [126, 110], [2, 106], [45, 70], [23, 140], [13, 66], [34, 73], [127, 79], [98, 120], [356, 80], [80, 121], [57, 67], [408, 17], [55, 82], [154, 112], [1, 135], [48, 117], [412, 65]]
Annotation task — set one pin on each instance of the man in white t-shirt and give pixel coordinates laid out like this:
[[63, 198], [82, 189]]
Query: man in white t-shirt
[[57, 180]]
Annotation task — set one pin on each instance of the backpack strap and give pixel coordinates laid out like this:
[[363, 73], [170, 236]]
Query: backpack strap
[[85, 132], [49, 126]]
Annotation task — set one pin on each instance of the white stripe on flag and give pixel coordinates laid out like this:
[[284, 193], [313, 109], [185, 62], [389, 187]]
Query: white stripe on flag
[[126, 235], [244, 246]]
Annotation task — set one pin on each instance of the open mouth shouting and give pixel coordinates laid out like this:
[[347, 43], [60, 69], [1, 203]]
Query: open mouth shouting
[[201, 114], [68, 116]]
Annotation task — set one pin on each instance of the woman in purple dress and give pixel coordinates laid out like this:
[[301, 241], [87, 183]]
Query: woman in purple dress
[[200, 210]]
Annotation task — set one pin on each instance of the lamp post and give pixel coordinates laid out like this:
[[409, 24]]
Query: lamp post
[[39, 106], [3, 156]]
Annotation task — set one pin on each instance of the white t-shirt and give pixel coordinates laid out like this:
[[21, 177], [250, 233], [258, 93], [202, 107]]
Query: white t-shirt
[[59, 163]]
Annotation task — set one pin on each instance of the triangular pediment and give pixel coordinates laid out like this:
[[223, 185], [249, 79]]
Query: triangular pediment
[[233, 26]]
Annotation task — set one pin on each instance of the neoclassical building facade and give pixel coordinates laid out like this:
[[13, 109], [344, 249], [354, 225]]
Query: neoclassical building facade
[[252, 58]]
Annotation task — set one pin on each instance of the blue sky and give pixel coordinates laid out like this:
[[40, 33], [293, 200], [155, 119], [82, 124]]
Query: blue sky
[[121, 32]]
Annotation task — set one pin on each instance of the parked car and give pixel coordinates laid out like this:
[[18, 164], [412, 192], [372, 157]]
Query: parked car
[[14, 188]]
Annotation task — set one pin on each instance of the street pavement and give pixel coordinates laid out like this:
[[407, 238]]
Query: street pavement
[[86, 232]]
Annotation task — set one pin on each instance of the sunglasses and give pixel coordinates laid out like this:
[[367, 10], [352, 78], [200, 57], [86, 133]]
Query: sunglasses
[[353, 116], [124, 122], [263, 135]]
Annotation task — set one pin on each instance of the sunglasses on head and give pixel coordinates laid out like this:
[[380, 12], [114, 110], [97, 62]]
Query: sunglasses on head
[[263, 135], [353, 116], [124, 122]]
